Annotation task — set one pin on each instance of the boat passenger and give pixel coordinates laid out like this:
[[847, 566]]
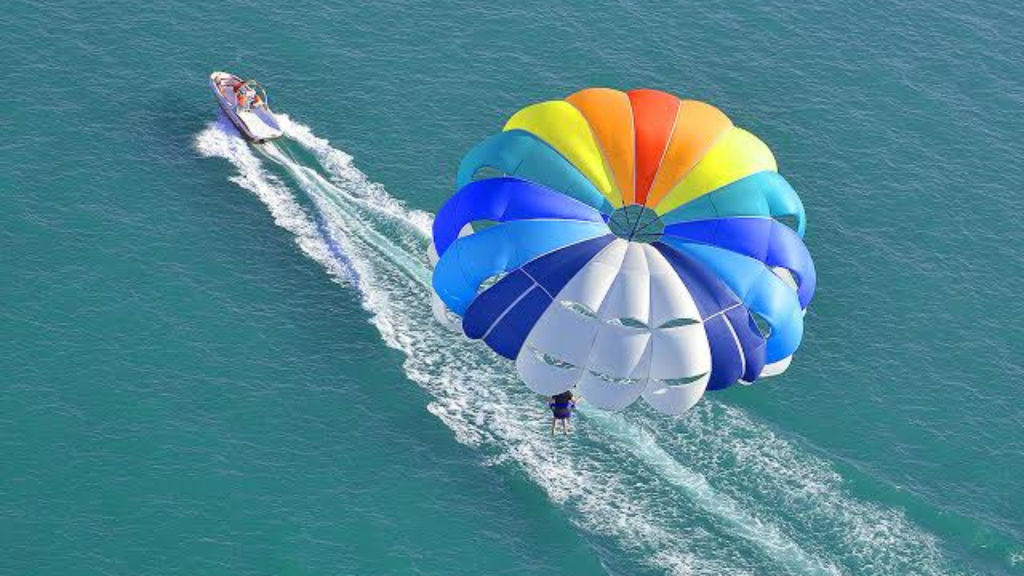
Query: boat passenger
[[246, 97]]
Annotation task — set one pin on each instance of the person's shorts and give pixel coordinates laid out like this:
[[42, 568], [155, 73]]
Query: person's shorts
[[561, 414]]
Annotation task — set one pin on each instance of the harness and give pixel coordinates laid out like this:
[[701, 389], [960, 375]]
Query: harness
[[562, 410]]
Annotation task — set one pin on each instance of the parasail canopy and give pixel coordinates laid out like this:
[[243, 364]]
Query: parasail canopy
[[635, 246]]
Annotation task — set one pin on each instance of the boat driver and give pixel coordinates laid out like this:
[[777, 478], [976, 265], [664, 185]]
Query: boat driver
[[246, 95]]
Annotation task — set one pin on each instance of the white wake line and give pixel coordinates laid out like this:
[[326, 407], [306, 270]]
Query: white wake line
[[765, 536], [220, 140], [339, 165], [315, 185]]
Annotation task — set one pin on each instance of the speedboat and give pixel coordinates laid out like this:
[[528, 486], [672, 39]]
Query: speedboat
[[245, 103]]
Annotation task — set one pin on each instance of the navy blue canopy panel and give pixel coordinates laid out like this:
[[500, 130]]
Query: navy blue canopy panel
[[504, 314], [752, 342], [501, 200], [471, 260], [763, 239], [737, 347], [760, 289]]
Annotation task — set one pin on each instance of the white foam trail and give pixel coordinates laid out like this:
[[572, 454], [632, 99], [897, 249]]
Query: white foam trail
[[745, 498], [351, 180], [741, 523], [758, 469], [221, 140]]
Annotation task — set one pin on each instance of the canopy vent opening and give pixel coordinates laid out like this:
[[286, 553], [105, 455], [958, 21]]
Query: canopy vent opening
[[636, 223]]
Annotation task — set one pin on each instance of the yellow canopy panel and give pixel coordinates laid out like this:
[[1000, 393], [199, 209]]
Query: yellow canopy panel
[[564, 128], [737, 154]]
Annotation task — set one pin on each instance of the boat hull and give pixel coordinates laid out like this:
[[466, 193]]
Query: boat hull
[[257, 126]]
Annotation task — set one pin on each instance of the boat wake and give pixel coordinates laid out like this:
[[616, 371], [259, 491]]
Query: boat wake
[[717, 492], [221, 140]]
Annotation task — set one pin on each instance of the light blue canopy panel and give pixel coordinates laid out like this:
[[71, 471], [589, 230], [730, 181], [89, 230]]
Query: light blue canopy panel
[[764, 194], [761, 291], [501, 200], [763, 239], [472, 259], [521, 154]]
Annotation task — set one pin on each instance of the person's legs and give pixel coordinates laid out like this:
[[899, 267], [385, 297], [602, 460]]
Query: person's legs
[[565, 426], [554, 421]]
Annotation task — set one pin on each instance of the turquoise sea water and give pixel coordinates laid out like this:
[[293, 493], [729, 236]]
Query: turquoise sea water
[[219, 359]]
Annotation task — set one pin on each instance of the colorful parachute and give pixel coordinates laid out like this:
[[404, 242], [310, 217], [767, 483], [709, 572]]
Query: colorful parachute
[[634, 246]]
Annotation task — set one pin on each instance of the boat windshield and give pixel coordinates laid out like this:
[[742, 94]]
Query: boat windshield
[[250, 94]]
